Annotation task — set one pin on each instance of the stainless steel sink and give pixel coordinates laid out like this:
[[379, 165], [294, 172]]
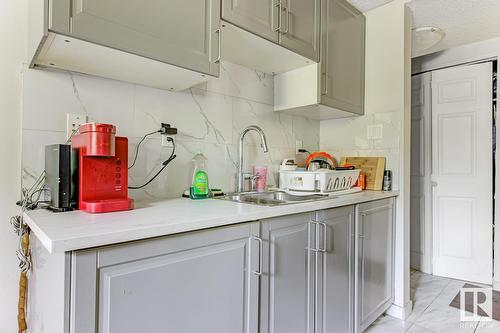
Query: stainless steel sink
[[271, 198]]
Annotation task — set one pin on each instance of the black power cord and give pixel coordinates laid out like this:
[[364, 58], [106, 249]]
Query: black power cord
[[139, 145], [167, 162]]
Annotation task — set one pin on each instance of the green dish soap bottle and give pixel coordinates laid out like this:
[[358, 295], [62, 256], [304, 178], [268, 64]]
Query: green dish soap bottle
[[199, 187]]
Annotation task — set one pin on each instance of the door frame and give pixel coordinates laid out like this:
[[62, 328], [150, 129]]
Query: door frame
[[426, 256], [449, 63]]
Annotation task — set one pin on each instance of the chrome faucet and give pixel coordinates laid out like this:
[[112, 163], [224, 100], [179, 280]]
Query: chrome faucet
[[241, 177]]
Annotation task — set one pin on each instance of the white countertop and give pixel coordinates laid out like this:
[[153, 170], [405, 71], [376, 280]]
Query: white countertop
[[61, 232]]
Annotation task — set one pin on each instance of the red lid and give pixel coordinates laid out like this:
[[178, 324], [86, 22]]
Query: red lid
[[96, 127]]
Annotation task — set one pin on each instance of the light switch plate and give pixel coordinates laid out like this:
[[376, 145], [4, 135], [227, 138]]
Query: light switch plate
[[374, 132], [298, 145], [73, 121]]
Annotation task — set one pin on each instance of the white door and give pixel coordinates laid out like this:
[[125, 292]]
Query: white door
[[462, 172], [420, 209]]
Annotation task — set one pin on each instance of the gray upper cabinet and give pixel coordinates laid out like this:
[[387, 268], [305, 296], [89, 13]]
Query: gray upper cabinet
[[300, 27], [375, 255], [335, 271], [178, 32], [205, 281], [287, 285], [294, 24], [257, 16], [342, 79]]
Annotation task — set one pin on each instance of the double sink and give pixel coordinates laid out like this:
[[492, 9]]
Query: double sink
[[272, 198]]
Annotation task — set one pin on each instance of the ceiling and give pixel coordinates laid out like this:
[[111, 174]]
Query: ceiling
[[463, 21]]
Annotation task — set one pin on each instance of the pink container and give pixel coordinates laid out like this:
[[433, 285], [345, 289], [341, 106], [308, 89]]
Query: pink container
[[261, 183]]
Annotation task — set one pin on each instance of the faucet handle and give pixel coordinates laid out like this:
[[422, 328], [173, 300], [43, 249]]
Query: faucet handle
[[252, 178]]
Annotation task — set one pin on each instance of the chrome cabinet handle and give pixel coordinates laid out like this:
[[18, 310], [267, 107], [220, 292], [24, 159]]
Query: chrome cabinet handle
[[362, 226], [325, 88], [287, 17], [259, 240], [219, 47], [313, 223], [280, 8], [318, 247], [324, 249]]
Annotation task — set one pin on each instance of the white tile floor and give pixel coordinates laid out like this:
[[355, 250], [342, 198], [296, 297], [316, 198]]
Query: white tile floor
[[431, 297]]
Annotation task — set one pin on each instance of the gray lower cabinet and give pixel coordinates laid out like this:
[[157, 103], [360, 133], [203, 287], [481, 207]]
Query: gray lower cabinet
[[178, 32], [321, 272], [342, 81], [335, 271], [287, 283], [308, 276], [375, 261], [206, 281]]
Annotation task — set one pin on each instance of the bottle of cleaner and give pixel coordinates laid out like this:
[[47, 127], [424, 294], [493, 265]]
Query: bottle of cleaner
[[199, 187]]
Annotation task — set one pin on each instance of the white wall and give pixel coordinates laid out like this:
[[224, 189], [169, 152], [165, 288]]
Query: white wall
[[12, 35], [209, 117], [386, 103]]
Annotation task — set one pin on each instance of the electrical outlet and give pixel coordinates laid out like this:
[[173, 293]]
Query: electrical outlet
[[73, 121], [298, 145], [374, 132]]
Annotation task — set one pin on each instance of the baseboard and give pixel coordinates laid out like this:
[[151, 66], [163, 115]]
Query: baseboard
[[400, 312]]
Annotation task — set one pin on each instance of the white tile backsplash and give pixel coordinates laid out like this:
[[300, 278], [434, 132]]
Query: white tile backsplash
[[209, 117], [349, 137]]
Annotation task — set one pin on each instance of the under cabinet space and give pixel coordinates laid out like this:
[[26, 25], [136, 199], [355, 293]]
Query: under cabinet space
[[139, 42], [249, 50], [273, 37]]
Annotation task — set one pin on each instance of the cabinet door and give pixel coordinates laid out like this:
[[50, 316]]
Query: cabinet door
[[184, 33], [197, 282], [342, 80], [287, 285], [257, 16], [300, 27], [335, 271], [375, 260]]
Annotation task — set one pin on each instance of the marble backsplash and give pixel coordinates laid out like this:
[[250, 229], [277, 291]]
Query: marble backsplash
[[349, 137], [209, 118]]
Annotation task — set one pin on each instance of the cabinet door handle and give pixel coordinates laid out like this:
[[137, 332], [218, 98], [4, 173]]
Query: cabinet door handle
[[280, 8], [259, 240], [287, 17], [219, 47], [325, 228], [362, 225], [316, 247], [325, 87]]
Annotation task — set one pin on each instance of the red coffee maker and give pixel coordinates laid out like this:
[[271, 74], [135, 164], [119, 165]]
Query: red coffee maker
[[102, 169]]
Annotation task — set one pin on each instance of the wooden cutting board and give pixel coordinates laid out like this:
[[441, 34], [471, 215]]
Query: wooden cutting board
[[372, 167]]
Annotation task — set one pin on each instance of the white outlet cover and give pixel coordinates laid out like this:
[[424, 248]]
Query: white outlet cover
[[298, 145], [374, 132], [73, 121]]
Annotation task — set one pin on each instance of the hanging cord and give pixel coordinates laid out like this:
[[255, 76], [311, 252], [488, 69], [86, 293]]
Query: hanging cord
[[167, 162], [23, 252], [138, 146]]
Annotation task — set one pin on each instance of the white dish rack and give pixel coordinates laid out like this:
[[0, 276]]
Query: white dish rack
[[322, 181]]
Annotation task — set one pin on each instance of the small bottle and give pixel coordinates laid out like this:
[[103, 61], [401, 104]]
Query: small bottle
[[199, 188], [387, 180]]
